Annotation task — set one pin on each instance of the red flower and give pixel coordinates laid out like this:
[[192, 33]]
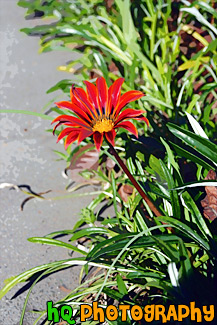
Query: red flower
[[99, 111]]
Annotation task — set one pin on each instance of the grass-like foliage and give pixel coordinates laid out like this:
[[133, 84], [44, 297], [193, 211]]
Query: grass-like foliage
[[168, 50]]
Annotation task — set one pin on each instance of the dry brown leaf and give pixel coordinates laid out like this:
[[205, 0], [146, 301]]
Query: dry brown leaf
[[64, 289], [110, 164], [125, 191], [86, 158], [109, 4], [209, 203]]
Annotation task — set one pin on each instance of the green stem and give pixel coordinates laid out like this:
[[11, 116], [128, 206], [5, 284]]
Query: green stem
[[134, 182]]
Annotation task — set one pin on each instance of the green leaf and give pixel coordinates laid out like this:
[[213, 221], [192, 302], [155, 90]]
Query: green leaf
[[173, 194], [159, 190], [146, 241], [113, 293], [54, 242], [145, 275], [168, 249], [11, 282], [195, 12], [203, 146], [187, 65], [134, 203], [141, 225], [64, 85], [129, 31], [186, 230], [88, 232], [210, 86], [121, 285], [186, 267], [157, 101], [170, 156], [184, 153], [21, 111], [196, 126], [114, 191], [61, 155], [154, 163], [196, 184], [198, 218], [96, 201], [195, 98], [204, 5]]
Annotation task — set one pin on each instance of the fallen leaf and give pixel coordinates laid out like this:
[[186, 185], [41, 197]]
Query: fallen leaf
[[30, 192], [125, 191], [86, 158], [110, 164], [64, 289], [209, 203], [12, 186], [39, 195]]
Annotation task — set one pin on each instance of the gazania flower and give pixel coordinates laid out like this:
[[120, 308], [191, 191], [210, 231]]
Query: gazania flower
[[98, 112]]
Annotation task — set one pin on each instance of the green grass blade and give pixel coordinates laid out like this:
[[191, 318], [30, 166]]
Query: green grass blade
[[198, 218], [184, 153], [173, 194], [11, 282], [20, 111], [203, 146], [55, 242], [186, 230]]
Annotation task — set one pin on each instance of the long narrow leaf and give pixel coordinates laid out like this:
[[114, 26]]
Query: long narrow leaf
[[192, 157], [55, 242], [186, 230], [203, 146], [21, 111], [173, 194]]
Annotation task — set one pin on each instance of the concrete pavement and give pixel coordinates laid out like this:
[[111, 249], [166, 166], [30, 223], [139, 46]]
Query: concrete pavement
[[26, 157]]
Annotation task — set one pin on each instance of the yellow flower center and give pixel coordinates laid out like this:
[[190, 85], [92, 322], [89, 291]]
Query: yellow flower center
[[103, 125]]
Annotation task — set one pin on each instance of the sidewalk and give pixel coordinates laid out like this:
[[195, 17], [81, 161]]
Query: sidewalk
[[27, 158]]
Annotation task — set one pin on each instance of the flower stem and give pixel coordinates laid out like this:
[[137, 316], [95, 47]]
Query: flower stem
[[134, 182]]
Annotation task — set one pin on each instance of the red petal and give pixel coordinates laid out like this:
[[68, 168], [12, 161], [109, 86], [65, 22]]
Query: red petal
[[65, 104], [56, 126], [64, 132], [126, 98], [129, 113], [79, 97], [128, 126], [143, 118], [114, 95], [92, 95], [74, 120], [66, 124], [71, 138], [102, 94], [84, 134], [110, 136], [98, 139], [77, 110]]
